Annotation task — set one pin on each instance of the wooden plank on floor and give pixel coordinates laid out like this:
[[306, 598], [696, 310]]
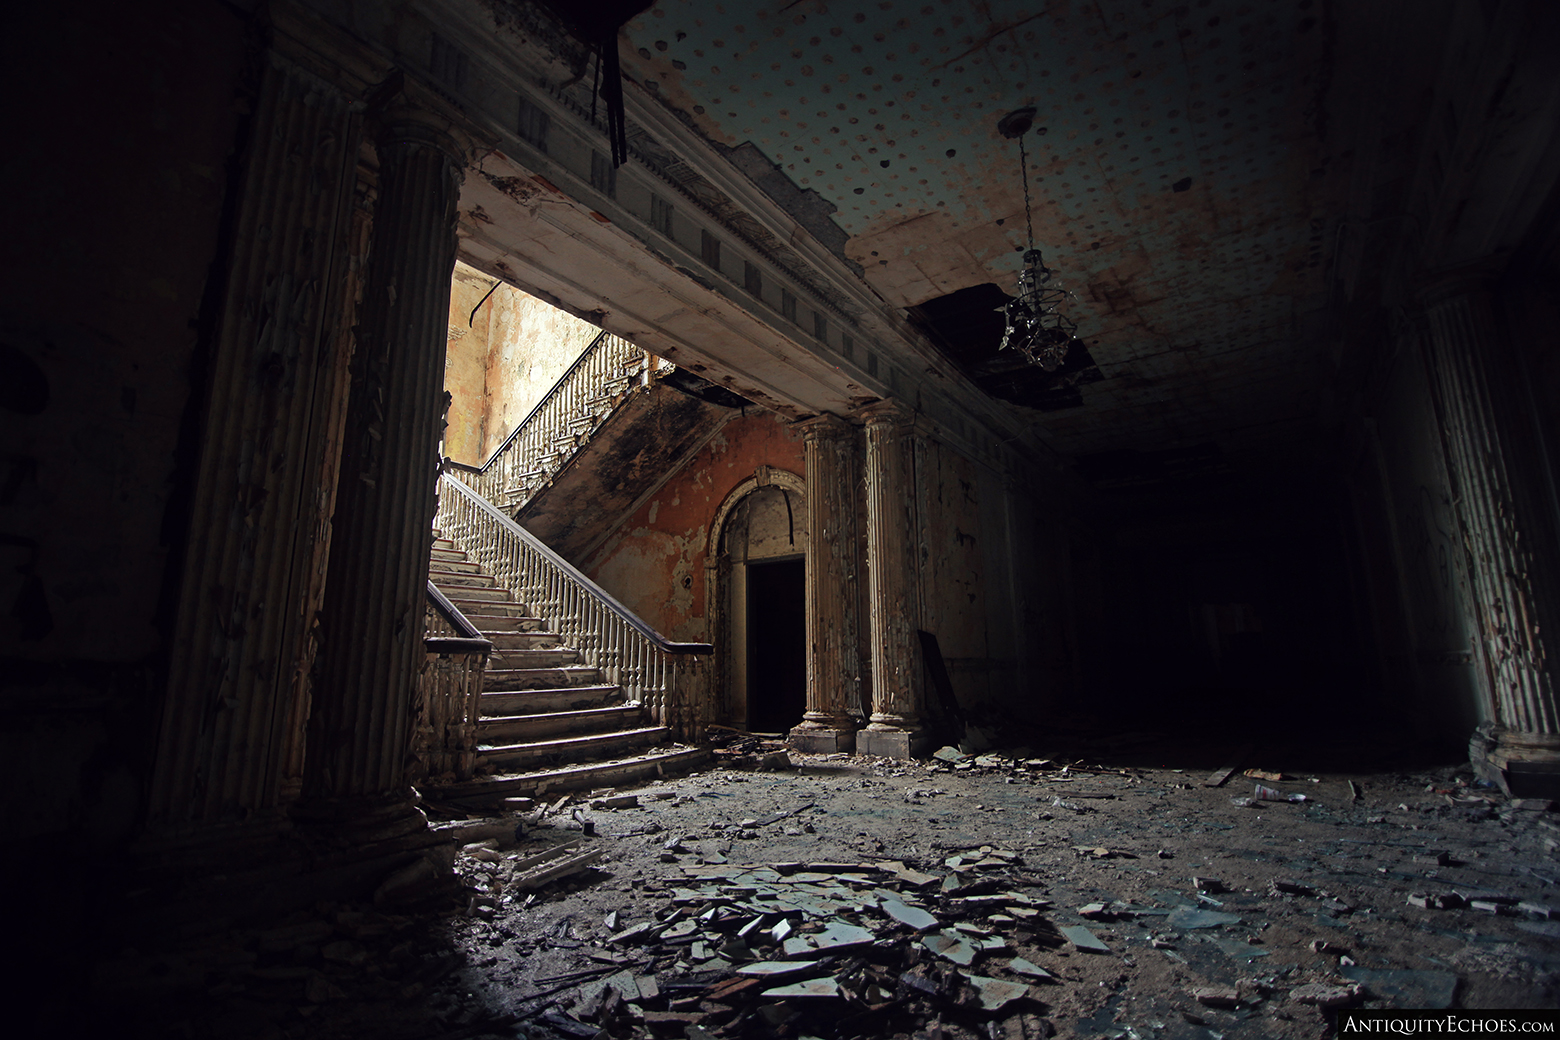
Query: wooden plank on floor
[[1217, 778]]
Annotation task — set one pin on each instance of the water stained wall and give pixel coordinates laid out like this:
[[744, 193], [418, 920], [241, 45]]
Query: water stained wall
[[655, 561], [506, 350]]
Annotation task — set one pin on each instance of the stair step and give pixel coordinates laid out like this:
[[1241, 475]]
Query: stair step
[[454, 555], [533, 640], [498, 703], [515, 729], [572, 749], [554, 657], [467, 581], [504, 679], [441, 542], [494, 624], [453, 567], [484, 595], [628, 770], [488, 608]]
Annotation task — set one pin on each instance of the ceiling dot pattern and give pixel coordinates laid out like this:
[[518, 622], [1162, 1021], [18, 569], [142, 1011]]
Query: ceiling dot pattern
[[1176, 166]]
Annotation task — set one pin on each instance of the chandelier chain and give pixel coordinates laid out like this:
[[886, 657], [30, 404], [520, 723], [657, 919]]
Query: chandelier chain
[[1023, 168]]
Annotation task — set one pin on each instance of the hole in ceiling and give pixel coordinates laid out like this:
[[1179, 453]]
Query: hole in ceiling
[[967, 326]]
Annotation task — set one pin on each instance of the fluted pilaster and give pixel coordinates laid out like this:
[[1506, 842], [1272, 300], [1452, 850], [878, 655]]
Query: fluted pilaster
[[833, 679], [371, 625], [261, 497], [895, 727], [1508, 542]]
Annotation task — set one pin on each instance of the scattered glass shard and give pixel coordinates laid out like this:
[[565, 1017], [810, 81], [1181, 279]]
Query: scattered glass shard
[[1189, 918], [1406, 988]]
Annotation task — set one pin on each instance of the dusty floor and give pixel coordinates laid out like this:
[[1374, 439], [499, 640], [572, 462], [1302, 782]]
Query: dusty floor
[[1114, 830]]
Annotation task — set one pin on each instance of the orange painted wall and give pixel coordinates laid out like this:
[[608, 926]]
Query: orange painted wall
[[654, 563]]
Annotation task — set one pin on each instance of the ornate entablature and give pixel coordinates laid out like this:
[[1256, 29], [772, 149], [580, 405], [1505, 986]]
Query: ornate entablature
[[677, 250]]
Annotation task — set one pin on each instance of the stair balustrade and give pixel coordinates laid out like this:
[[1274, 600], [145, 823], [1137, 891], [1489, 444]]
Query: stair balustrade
[[652, 670], [561, 423], [448, 692]]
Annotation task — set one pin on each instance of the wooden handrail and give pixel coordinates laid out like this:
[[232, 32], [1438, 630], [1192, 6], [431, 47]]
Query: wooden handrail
[[458, 621], [576, 575]]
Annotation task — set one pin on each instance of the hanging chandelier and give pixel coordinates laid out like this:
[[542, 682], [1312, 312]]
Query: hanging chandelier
[[1036, 327]]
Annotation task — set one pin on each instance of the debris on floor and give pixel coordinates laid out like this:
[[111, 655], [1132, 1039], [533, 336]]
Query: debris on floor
[[959, 898]]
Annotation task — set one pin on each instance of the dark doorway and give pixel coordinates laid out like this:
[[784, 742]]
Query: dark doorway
[[776, 644]]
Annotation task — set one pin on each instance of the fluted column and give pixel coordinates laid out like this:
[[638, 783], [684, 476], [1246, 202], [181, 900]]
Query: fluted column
[[260, 499], [1508, 542], [833, 679], [894, 587], [372, 621]]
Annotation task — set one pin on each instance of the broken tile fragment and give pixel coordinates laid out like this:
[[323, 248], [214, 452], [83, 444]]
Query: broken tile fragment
[[996, 994], [910, 916], [811, 988], [1326, 997], [1020, 966], [1217, 996], [951, 947], [1083, 939], [777, 969]]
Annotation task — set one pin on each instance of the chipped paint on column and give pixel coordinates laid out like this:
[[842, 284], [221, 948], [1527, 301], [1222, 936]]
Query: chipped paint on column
[[892, 537], [833, 675], [371, 643], [242, 634], [1501, 532]]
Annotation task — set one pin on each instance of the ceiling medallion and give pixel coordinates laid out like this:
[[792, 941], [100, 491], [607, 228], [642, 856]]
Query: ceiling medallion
[[1036, 327]]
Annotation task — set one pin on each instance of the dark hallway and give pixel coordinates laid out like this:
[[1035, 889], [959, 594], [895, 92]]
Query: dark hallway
[[776, 634]]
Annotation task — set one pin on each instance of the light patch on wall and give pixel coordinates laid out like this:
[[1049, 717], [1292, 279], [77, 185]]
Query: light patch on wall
[[506, 350]]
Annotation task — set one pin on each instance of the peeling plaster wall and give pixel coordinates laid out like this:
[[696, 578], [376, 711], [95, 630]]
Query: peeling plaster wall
[[990, 581], [655, 561], [501, 360], [532, 346], [465, 366]]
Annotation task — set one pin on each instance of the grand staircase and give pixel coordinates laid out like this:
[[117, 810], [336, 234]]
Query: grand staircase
[[548, 721]]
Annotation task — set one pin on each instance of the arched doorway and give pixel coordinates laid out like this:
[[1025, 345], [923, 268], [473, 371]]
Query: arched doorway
[[758, 590]]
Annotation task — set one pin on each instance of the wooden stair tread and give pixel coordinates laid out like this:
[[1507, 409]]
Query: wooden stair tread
[[624, 770], [542, 747]]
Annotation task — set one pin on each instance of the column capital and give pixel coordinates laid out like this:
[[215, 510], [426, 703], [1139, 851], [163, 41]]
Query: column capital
[[405, 122], [890, 412], [825, 426]]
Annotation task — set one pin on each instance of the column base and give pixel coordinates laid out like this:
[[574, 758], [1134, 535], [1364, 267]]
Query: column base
[[357, 822], [823, 736], [889, 741], [1523, 765]]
